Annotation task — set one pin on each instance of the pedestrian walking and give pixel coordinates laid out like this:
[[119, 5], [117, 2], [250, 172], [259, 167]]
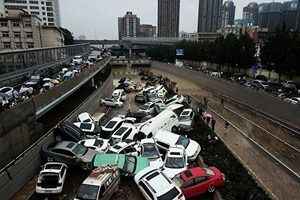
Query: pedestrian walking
[[213, 123], [226, 124]]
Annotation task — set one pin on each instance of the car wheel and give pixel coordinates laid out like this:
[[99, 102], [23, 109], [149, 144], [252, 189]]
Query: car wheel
[[211, 189]]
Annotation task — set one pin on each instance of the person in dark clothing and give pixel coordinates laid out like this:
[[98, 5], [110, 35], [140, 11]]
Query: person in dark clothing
[[213, 123], [226, 124]]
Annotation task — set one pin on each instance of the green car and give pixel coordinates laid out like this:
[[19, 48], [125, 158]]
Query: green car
[[130, 165]]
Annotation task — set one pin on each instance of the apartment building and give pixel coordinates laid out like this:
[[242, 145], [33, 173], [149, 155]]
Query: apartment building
[[46, 10]]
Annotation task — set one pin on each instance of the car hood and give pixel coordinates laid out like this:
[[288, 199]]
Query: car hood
[[193, 149], [171, 173], [90, 154]]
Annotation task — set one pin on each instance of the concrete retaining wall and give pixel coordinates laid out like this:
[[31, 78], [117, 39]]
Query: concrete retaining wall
[[18, 128], [13, 178]]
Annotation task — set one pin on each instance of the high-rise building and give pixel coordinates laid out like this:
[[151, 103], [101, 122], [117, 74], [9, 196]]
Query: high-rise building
[[128, 25], [168, 18], [209, 16], [270, 15], [46, 10], [289, 14], [228, 13], [147, 30], [250, 14]]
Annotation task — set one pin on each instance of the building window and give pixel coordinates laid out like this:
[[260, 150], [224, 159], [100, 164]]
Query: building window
[[50, 14], [6, 45], [48, 3], [34, 7], [17, 34], [50, 19], [30, 45], [51, 24], [18, 45], [34, 2], [35, 13], [44, 13], [43, 8], [49, 9], [15, 23], [5, 34], [3, 24], [29, 34], [27, 23]]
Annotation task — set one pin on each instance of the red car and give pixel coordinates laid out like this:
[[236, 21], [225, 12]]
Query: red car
[[197, 180]]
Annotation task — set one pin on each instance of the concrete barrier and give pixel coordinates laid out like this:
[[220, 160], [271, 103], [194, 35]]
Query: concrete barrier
[[23, 168]]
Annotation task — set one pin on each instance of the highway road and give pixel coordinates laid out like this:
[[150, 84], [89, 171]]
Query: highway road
[[257, 99]]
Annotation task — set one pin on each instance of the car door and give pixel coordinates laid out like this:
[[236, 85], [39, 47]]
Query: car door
[[201, 185]]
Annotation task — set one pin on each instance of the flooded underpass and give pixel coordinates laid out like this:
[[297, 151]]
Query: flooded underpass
[[239, 184]]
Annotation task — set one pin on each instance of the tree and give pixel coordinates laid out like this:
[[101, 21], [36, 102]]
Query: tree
[[69, 39], [247, 50]]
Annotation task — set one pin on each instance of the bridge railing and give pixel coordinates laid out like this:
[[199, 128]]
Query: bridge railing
[[20, 60]]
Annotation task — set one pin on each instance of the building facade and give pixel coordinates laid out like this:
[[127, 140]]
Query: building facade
[[200, 37], [21, 30], [147, 30], [2, 11], [209, 16], [128, 25], [278, 15], [250, 14], [228, 13], [168, 18], [46, 10]]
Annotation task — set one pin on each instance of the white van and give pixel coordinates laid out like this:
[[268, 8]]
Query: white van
[[166, 120], [101, 184]]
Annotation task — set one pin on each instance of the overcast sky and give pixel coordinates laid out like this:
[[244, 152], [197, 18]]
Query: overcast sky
[[98, 19]]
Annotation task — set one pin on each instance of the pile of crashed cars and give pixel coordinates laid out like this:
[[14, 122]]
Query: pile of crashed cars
[[37, 84], [150, 145]]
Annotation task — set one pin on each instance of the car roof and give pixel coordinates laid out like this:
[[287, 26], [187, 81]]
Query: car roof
[[99, 175], [175, 152], [52, 167], [84, 115], [163, 135], [65, 145], [147, 140], [159, 183], [192, 173], [108, 159]]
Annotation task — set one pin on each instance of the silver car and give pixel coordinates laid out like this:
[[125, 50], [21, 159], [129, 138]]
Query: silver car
[[186, 120]]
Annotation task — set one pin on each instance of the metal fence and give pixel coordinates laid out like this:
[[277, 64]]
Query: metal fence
[[18, 60]]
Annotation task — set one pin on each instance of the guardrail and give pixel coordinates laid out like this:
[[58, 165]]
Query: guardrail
[[20, 62]]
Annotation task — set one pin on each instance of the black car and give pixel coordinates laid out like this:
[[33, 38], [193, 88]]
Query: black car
[[69, 132]]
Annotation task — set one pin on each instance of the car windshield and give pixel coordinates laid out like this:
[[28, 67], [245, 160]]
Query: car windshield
[[169, 195], [209, 172], [183, 141], [150, 151], [98, 143], [172, 162], [87, 192], [184, 117], [86, 126], [120, 131], [79, 150], [130, 164], [110, 124], [177, 180]]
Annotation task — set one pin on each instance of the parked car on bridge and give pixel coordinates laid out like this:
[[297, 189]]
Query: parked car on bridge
[[154, 185], [111, 126], [78, 60], [85, 117], [51, 178], [125, 147], [126, 132], [186, 121], [70, 153], [88, 128], [293, 100], [196, 181], [10, 92], [68, 132], [101, 184]]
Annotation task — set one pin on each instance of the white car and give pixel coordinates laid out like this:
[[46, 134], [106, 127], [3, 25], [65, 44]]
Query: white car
[[78, 60], [128, 148], [9, 91], [186, 120], [165, 139], [111, 126], [176, 99], [26, 90], [149, 149], [85, 117], [119, 95], [51, 178], [148, 108], [86, 127], [155, 185], [126, 132], [98, 144], [175, 161], [111, 102], [293, 100]]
